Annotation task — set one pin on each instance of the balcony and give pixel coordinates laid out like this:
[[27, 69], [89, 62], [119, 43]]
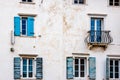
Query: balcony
[[98, 39]]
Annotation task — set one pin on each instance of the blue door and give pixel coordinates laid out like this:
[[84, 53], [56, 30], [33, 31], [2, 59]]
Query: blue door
[[95, 33], [98, 31], [92, 32]]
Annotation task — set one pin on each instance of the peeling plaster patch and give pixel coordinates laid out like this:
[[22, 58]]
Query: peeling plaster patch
[[66, 25]]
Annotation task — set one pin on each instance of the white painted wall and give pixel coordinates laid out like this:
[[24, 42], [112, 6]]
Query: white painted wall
[[63, 27]]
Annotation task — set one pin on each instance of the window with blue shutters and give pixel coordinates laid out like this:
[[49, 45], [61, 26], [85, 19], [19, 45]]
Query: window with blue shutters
[[23, 26], [76, 67], [26, 68]]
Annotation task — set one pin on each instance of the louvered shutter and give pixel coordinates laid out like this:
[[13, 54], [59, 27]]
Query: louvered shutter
[[92, 68], [17, 26], [39, 68], [30, 26], [107, 68], [17, 68], [69, 67]]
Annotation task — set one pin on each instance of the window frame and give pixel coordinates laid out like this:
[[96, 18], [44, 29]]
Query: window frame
[[27, 1], [81, 55], [21, 25], [114, 68], [34, 68], [84, 2], [79, 66], [113, 3], [26, 16], [102, 22]]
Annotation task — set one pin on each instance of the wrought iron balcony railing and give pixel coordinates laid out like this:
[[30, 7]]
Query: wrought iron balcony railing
[[98, 38]]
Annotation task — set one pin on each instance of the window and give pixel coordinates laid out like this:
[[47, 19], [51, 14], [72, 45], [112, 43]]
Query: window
[[77, 68], [114, 2], [96, 28], [115, 68], [80, 67], [24, 26], [27, 68], [79, 1], [26, 0]]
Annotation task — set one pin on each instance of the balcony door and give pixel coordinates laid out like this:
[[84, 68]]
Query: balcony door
[[95, 33]]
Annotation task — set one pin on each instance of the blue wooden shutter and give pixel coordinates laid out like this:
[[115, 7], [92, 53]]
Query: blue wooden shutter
[[92, 31], [107, 68], [17, 68], [17, 26], [30, 26], [69, 67], [39, 68], [92, 68], [98, 33]]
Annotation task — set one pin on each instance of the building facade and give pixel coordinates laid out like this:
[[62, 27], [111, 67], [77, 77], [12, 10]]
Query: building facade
[[60, 40]]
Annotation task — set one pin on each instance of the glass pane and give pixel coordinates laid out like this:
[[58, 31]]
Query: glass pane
[[23, 32], [111, 2], [111, 75], [117, 1], [24, 68], [82, 67], [82, 61], [116, 63], [76, 74], [24, 74], [111, 62], [30, 68], [24, 61], [81, 1], [75, 1], [29, 0], [116, 4], [30, 74], [111, 69], [116, 75], [116, 69], [76, 67], [23, 0], [82, 74], [23, 27], [30, 61], [24, 21], [76, 61]]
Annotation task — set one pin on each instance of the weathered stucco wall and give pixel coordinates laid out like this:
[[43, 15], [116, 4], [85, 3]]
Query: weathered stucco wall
[[63, 28]]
